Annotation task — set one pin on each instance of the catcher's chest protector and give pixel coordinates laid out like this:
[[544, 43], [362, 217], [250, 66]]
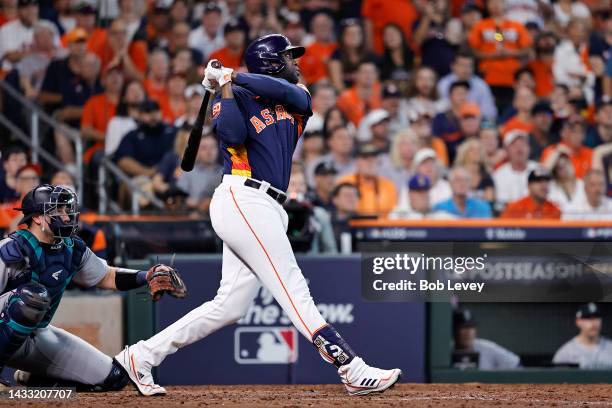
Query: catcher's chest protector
[[53, 266]]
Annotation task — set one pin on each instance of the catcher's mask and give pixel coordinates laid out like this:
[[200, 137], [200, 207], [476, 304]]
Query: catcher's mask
[[58, 203]]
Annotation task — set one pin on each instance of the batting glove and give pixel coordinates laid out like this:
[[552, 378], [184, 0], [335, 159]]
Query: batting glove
[[221, 75], [208, 86]]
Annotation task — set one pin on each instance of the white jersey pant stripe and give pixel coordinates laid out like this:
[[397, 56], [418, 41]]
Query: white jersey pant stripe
[[256, 251]]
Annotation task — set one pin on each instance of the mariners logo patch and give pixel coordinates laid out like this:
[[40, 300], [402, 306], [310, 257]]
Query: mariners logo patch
[[216, 110]]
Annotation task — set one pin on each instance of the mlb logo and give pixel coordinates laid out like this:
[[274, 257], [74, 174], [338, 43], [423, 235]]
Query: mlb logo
[[265, 345]]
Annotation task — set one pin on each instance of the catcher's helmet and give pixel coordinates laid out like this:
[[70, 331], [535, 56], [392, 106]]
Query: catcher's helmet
[[56, 202], [264, 55]]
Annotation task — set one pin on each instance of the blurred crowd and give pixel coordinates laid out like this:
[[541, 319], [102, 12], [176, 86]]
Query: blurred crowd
[[422, 109]]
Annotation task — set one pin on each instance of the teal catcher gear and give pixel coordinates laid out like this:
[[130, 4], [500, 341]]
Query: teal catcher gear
[[53, 266], [37, 291]]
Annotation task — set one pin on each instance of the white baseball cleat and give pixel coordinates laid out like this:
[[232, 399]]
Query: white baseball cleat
[[361, 379], [139, 373]]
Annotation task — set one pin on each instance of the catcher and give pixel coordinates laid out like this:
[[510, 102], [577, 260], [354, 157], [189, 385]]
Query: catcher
[[36, 265]]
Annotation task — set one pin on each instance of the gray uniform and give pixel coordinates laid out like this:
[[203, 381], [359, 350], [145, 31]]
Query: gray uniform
[[587, 357], [492, 356], [54, 352]]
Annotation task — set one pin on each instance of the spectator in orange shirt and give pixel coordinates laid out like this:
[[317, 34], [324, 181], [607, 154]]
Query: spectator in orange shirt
[[364, 96], [313, 64], [573, 131], [499, 43], [379, 13], [155, 82], [173, 105], [231, 56], [159, 23], [85, 18], [27, 178], [377, 195], [542, 65], [99, 110], [118, 50], [524, 101], [535, 205]]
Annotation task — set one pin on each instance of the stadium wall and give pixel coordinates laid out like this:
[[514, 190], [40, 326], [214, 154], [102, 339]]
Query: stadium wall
[[389, 334]]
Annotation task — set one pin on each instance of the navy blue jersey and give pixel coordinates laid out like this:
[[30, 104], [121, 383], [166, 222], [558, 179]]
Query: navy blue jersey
[[259, 128]]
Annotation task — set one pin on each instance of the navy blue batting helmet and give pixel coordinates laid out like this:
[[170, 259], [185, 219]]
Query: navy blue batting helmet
[[264, 55]]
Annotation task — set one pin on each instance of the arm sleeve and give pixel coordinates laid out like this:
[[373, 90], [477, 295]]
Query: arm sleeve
[[278, 90], [91, 271], [228, 121]]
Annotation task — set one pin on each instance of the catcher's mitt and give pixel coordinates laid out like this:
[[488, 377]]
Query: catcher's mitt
[[165, 279]]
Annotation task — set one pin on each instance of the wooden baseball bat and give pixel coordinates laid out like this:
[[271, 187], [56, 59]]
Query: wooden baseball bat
[[193, 143]]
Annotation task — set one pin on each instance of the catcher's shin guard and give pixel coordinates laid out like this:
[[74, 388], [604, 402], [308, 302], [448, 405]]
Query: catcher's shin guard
[[25, 308], [332, 347]]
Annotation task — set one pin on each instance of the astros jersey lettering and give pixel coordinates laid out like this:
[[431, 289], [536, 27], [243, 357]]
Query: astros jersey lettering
[[261, 145]]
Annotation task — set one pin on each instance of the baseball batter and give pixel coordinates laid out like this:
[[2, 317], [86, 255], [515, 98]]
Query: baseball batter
[[36, 265], [258, 118]]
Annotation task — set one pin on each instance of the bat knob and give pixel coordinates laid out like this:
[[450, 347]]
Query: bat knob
[[216, 64]]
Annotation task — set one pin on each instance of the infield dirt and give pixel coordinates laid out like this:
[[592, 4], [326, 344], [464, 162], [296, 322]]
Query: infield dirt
[[402, 395]]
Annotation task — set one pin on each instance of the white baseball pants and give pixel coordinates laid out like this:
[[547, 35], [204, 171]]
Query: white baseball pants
[[256, 251]]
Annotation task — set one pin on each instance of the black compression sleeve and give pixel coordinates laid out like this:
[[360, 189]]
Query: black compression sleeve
[[126, 279]]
